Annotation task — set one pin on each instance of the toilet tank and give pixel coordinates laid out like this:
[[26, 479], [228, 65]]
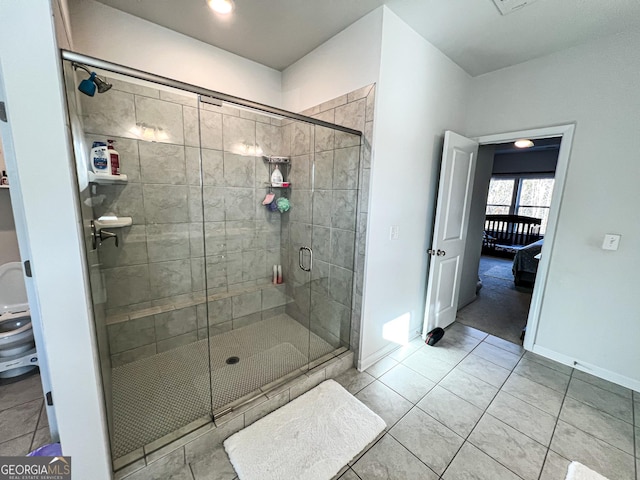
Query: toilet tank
[[13, 293]]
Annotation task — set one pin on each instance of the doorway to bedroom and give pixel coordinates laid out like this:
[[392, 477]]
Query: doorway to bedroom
[[512, 196]]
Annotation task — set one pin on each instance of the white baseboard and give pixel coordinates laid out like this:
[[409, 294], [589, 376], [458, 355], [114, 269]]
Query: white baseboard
[[599, 372], [364, 363]]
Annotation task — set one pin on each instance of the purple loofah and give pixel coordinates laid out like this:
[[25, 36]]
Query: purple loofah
[[273, 206]]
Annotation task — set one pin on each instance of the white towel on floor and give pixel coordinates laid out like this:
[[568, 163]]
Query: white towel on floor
[[577, 471]]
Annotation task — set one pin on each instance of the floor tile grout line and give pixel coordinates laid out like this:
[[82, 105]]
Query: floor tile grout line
[[555, 426], [33, 437]]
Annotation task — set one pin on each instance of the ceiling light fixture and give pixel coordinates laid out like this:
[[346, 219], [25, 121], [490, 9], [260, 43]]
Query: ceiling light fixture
[[524, 143], [223, 7]]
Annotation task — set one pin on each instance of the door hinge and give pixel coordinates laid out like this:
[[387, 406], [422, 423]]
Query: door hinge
[[27, 268], [3, 112], [49, 399]]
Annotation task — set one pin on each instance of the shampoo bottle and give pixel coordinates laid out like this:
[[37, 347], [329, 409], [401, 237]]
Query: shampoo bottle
[[276, 177], [100, 158], [114, 159]]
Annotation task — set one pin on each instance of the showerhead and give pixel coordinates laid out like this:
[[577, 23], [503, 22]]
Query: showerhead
[[88, 85], [102, 85]]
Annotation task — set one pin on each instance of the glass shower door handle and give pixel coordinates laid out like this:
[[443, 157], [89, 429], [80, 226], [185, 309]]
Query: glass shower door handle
[[301, 259]]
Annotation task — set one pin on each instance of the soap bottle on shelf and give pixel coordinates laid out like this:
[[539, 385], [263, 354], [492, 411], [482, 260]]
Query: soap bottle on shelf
[[276, 177], [100, 161], [114, 158]]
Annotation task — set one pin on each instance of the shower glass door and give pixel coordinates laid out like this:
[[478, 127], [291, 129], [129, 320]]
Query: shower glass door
[[143, 232]]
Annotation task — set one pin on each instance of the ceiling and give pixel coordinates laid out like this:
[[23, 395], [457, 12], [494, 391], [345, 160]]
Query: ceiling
[[472, 33]]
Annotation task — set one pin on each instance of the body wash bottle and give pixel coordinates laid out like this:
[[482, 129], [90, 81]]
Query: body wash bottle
[[276, 177]]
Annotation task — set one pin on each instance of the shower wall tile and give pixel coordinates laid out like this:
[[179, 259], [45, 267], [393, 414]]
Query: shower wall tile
[[358, 94], [168, 241], [345, 168], [273, 297], [175, 342], [162, 163], [300, 205], [196, 239], [220, 311], [341, 285], [343, 209], [176, 322], [194, 199], [344, 140], [214, 203], [253, 265], [197, 274], [214, 235], [129, 87], [190, 125], [192, 165], [269, 139], [301, 171], [322, 201], [302, 139], [247, 320], [342, 247], [320, 277], [127, 285], [352, 115], [132, 249], [123, 200], [367, 142], [324, 170], [170, 278], [212, 167], [241, 204], [239, 171], [166, 203], [370, 105], [365, 184], [330, 104], [132, 334], [247, 304], [300, 235], [234, 269], [133, 355], [321, 243], [239, 134], [161, 115], [177, 96], [111, 114], [210, 130]]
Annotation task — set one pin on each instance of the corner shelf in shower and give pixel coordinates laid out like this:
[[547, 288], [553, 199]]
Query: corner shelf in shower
[[112, 222], [104, 179], [4, 186], [271, 185]]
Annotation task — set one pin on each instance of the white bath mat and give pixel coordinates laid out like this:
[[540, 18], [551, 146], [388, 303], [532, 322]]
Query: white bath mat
[[310, 438], [577, 471]]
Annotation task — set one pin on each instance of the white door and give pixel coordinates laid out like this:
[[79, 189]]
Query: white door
[[459, 159]]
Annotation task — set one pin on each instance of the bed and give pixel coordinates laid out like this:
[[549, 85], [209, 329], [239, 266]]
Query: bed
[[525, 265]]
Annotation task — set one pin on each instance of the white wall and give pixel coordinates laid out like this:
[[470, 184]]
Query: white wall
[[48, 228], [589, 313], [344, 63], [420, 94], [110, 34]]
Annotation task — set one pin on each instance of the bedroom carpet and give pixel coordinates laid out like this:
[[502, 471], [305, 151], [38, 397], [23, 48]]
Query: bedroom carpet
[[501, 308], [311, 438]]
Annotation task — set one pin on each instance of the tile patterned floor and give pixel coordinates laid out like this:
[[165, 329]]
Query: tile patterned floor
[[23, 418], [158, 395], [473, 408]]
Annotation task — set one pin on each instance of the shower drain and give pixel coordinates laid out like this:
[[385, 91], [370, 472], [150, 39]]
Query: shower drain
[[232, 360]]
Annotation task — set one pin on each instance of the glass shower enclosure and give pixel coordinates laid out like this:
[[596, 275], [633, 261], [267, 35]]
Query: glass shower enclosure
[[182, 246]]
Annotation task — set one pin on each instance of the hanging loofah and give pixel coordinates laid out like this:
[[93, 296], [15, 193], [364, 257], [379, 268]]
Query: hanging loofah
[[283, 204]]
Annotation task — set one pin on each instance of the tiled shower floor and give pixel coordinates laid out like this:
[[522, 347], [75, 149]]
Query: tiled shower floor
[[158, 395]]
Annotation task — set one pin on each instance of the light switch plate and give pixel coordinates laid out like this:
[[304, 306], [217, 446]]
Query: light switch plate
[[611, 241], [394, 232]]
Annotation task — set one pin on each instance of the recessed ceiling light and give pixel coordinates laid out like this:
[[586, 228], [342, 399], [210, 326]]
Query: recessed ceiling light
[[222, 7], [524, 143]]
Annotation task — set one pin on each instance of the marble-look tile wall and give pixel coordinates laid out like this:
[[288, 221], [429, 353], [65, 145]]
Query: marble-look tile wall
[[332, 220], [194, 194]]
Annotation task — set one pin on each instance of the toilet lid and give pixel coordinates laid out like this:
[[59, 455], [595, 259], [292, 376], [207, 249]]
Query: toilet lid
[[13, 294]]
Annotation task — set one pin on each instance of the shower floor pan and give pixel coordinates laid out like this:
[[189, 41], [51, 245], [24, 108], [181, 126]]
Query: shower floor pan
[[156, 396]]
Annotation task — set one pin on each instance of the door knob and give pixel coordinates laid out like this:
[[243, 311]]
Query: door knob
[[441, 253]]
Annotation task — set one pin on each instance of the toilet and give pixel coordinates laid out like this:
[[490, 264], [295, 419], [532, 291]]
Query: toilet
[[17, 346]]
